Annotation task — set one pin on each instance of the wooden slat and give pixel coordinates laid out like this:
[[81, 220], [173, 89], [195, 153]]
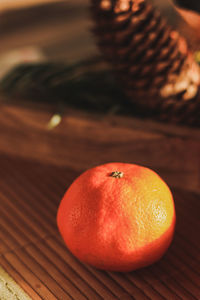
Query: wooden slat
[[74, 283], [29, 275]]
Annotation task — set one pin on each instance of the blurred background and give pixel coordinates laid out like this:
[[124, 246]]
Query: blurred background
[[47, 31], [60, 28]]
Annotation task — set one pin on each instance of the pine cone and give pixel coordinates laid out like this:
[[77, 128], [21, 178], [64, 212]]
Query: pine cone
[[151, 60]]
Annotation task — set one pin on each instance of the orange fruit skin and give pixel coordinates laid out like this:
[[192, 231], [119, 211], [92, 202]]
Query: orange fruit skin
[[117, 224]]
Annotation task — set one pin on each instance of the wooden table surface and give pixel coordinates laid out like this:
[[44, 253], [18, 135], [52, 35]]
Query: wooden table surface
[[37, 165]]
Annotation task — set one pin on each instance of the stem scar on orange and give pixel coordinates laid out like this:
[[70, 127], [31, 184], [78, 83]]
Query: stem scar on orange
[[117, 217]]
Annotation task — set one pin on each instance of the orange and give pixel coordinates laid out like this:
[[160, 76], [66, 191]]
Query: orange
[[117, 217]]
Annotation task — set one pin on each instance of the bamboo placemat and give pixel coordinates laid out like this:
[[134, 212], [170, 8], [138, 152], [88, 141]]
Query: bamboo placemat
[[32, 251]]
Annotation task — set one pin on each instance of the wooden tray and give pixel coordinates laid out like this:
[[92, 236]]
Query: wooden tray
[[33, 253]]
